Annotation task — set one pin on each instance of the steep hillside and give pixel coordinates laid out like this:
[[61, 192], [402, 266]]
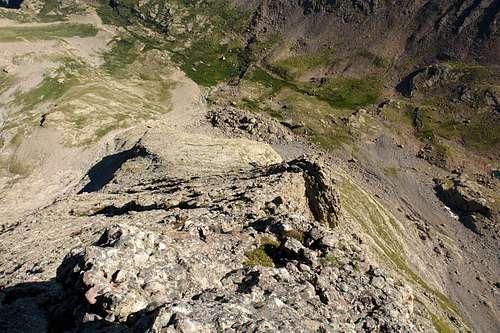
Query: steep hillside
[[235, 166]]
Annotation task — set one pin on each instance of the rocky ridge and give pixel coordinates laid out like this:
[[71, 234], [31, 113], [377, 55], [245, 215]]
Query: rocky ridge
[[173, 226], [251, 250]]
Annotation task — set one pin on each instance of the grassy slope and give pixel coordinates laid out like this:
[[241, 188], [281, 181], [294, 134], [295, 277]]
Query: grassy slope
[[83, 102], [52, 31], [391, 246]]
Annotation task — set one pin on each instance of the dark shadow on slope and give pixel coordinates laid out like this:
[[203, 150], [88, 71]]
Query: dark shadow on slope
[[103, 172], [12, 4], [45, 307], [131, 206], [24, 308]]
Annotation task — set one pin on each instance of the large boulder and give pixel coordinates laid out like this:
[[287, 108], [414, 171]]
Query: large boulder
[[469, 200]]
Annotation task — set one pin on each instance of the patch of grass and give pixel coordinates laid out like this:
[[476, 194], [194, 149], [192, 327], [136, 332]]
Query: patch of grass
[[295, 66], [371, 217], [123, 53], [471, 72], [5, 81], [51, 11], [330, 140], [391, 171], [299, 106], [207, 62], [19, 168], [58, 10], [51, 88], [351, 93], [223, 15], [255, 106], [263, 255], [53, 31], [14, 15], [199, 50], [440, 325], [482, 133], [376, 60], [101, 132], [258, 257], [297, 234], [330, 260], [120, 15], [269, 81]]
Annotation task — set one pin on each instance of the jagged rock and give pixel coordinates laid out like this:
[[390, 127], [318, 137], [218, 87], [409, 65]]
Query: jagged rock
[[294, 246], [228, 263], [433, 155], [467, 199], [324, 201], [235, 122], [425, 78]]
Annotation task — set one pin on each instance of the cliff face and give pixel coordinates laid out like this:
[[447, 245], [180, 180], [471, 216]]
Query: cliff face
[[407, 32]]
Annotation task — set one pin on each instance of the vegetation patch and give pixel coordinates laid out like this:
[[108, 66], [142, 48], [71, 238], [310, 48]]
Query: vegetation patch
[[269, 81], [330, 260], [297, 106], [51, 11], [207, 63], [46, 32], [205, 50], [391, 171], [375, 59], [373, 219], [123, 53], [351, 93], [57, 10], [482, 132], [5, 82], [294, 67], [16, 166], [264, 254], [297, 234], [440, 325]]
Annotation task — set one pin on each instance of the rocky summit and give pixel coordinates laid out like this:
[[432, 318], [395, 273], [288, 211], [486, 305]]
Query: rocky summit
[[249, 166]]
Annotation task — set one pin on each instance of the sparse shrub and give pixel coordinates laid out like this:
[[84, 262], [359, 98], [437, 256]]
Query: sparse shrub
[[351, 93], [330, 260], [297, 234], [263, 255]]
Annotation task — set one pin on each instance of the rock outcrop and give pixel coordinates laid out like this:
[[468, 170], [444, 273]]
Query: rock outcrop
[[469, 201], [251, 250]]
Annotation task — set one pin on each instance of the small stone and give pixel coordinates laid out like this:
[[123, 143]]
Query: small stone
[[329, 241], [226, 227], [378, 282], [119, 277], [92, 294], [344, 287], [110, 318], [293, 245]]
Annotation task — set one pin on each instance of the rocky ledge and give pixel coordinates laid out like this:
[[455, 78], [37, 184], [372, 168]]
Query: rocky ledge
[[255, 250], [474, 204]]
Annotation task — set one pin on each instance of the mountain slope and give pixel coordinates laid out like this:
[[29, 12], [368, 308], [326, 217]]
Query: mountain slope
[[153, 177]]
